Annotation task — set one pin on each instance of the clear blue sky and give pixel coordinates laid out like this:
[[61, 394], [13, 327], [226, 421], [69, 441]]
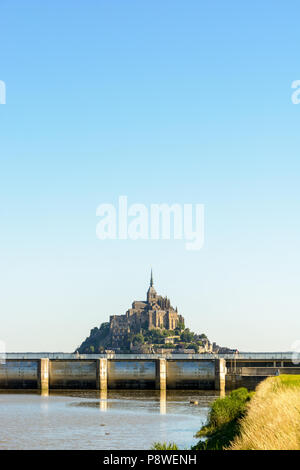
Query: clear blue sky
[[162, 101]]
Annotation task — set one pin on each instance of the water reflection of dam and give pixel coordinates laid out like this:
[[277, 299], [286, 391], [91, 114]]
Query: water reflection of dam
[[101, 372]]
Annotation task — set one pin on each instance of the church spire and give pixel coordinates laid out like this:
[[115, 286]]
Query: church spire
[[151, 294]]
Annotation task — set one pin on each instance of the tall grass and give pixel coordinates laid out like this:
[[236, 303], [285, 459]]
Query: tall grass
[[272, 421]]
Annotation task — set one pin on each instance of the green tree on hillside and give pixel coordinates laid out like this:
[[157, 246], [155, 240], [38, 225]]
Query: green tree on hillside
[[138, 339], [187, 336]]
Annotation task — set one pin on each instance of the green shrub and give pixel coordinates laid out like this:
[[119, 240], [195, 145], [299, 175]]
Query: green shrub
[[223, 420], [164, 446], [231, 407], [138, 339], [187, 336]]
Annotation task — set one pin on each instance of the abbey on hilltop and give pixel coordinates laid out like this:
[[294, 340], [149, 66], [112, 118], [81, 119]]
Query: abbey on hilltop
[[155, 312], [150, 325]]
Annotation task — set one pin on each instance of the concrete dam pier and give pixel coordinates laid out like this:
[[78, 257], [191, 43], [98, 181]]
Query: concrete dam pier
[[58, 371], [104, 373]]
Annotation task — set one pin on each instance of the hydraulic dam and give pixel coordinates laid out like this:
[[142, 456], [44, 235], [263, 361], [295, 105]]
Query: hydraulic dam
[[61, 371]]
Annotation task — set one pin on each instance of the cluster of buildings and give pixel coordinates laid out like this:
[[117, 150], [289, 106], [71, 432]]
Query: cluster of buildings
[[152, 325], [156, 312]]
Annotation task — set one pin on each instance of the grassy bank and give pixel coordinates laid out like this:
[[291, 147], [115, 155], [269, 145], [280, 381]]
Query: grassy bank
[[272, 420], [224, 421], [267, 419]]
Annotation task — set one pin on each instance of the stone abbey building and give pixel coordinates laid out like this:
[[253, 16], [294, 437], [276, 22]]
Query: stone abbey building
[[155, 312], [147, 327]]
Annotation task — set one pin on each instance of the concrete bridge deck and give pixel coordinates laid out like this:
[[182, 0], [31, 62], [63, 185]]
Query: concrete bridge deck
[[241, 355], [61, 371]]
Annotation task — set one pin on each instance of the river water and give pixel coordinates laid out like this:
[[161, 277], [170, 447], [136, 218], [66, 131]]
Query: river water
[[101, 420]]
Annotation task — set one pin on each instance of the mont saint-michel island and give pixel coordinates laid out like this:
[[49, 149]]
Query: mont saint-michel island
[[149, 326]]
